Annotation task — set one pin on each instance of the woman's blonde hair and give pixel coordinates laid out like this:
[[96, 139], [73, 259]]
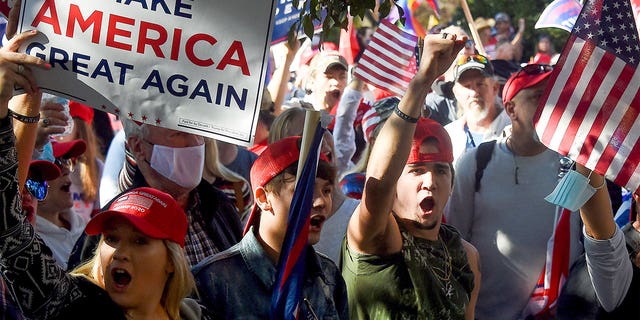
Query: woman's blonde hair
[[87, 163], [179, 285], [284, 123], [212, 166]]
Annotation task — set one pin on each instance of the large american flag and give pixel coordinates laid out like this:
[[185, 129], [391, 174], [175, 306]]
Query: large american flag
[[592, 103], [388, 62]]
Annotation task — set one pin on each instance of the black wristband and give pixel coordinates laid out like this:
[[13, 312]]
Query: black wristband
[[405, 116], [23, 118]]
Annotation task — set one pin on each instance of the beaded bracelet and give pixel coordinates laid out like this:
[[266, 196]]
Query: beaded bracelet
[[405, 116], [23, 118]]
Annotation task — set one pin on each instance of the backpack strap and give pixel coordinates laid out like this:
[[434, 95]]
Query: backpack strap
[[483, 155]]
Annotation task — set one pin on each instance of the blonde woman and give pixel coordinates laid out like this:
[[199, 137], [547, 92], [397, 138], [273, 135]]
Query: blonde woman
[[85, 179], [137, 272]]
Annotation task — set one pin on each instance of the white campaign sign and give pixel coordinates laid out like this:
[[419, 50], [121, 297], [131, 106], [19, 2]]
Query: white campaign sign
[[194, 66]]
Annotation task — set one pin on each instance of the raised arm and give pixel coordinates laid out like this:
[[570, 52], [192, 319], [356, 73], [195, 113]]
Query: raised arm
[[607, 259], [372, 229], [344, 136]]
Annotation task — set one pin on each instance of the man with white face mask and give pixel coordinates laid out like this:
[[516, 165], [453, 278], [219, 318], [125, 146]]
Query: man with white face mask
[[173, 161]]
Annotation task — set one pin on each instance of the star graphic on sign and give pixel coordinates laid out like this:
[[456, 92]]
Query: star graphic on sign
[[130, 115], [103, 107], [158, 121], [144, 118]]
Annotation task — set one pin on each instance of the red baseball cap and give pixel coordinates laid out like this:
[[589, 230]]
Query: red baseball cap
[[526, 77], [272, 161], [153, 212], [425, 129], [79, 110], [43, 170], [71, 149]]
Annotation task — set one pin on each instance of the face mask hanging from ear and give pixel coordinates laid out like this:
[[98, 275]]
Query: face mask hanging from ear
[[572, 192], [183, 166]]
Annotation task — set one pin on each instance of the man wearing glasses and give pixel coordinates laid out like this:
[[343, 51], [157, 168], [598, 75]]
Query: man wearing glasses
[[476, 92], [506, 217], [56, 224]]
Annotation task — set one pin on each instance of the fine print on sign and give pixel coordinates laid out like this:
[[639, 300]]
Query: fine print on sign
[[189, 65]]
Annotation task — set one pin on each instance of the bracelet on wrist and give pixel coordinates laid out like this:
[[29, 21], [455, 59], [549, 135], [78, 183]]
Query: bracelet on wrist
[[405, 116], [23, 118]]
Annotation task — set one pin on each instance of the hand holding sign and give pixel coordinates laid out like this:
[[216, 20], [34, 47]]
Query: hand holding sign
[[179, 64]]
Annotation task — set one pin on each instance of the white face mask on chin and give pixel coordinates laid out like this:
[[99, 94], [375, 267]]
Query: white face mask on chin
[[183, 166]]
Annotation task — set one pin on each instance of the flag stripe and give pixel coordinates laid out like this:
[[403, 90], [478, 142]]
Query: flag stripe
[[382, 53], [388, 30], [386, 63], [617, 139], [594, 91], [616, 116], [608, 116], [388, 68], [577, 68], [379, 80], [628, 168]]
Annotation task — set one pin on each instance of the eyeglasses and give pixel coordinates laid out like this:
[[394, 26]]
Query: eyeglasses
[[38, 189], [63, 163], [530, 69], [476, 57]]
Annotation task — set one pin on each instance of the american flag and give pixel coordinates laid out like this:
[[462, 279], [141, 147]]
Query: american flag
[[592, 102], [387, 61], [290, 275]]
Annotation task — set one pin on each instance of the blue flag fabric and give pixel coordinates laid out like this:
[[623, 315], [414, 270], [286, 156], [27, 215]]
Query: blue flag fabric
[[287, 291]]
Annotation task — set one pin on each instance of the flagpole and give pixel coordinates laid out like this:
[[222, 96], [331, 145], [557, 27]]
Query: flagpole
[[472, 27], [311, 120]]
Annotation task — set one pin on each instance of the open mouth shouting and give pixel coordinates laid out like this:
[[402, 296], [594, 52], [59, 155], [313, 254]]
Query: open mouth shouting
[[121, 278], [316, 222], [427, 204]]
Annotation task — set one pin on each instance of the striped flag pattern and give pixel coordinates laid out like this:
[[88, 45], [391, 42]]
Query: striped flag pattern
[[287, 291], [592, 102], [386, 63]]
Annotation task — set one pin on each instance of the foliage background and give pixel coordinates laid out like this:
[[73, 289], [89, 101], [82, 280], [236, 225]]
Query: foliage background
[[451, 13]]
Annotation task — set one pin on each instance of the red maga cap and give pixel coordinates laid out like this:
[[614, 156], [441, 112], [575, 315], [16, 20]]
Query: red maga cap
[[272, 161], [526, 77], [425, 129], [43, 170], [79, 110], [155, 213], [71, 149]]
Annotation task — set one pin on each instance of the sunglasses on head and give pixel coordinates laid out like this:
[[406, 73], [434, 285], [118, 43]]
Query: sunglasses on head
[[63, 163], [476, 57], [530, 69], [38, 189]]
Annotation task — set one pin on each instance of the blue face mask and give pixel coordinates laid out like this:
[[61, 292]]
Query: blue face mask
[[572, 192]]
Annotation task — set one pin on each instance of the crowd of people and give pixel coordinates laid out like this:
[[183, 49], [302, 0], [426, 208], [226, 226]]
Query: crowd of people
[[426, 206]]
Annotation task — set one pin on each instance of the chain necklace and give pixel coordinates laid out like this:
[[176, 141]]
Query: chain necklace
[[443, 274]]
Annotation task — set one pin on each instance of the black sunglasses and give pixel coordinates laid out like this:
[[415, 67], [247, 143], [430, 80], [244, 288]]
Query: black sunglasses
[[38, 189], [530, 69]]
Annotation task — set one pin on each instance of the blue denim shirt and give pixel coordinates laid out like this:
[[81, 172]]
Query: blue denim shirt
[[237, 284]]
